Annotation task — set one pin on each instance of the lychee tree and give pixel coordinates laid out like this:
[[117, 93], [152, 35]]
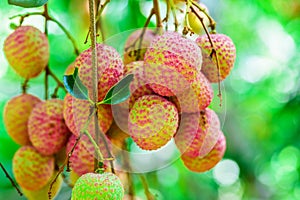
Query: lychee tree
[[158, 93]]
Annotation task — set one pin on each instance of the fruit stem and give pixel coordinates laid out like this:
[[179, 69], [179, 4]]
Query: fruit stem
[[148, 194], [25, 86], [11, 180], [97, 149], [212, 23], [157, 13], [93, 38], [213, 52], [173, 8], [139, 40]]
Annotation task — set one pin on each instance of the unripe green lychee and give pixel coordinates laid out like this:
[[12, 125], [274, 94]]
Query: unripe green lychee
[[171, 63], [106, 186], [110, 68], [194, 21], [42, 194], [31, 169], [197, 164], [132, 45], [47, 130], [152, 122], [196, 98], [76, 113], [82, 159], [27, 51], [225, 51], [198, 133], [15, 116]]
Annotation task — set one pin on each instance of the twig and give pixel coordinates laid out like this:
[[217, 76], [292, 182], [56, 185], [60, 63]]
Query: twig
[[213, 52], [173, 8], [148, 194], [157, 13], [92, 29], [49, 18], [25, 86], [212, 23], [11, 180]]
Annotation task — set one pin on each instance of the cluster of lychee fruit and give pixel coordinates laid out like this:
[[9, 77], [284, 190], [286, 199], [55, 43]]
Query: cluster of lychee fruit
[[170, 97]]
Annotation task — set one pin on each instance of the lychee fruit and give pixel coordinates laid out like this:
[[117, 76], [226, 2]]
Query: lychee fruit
[[106, 186], [76, 113], [198, 133], [27, 51], [42, 194], [133, 44], [138, 87], [110, 68], [198, 164], [194, 21], [31, 169], [152, 122], [196, 98], [47, 130], [15, 116], [82, 159], [225, 51], [171, 63]]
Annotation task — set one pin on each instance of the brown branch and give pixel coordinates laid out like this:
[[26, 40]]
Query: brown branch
[[148, 194], [157, 13], [213, 51], [11, 180], [25, 86]]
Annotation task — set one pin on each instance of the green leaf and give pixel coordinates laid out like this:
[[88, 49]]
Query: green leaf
[[74, 85], [27, 3], [119, 92]]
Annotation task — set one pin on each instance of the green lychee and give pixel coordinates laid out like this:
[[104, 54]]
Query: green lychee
[[106, 186], [15, 116]]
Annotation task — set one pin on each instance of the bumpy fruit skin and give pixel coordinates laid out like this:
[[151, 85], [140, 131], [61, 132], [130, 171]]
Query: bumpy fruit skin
[[171, 63], [226, 54], [82, 159], [110, 68], [196, 98], [106, 186], [138, 87], [76, 112], [198, 133], [210, 160], [31, 169], [27, 51], [152, 122], [47, 130], [130, 48], [15, 116], [42, 194]]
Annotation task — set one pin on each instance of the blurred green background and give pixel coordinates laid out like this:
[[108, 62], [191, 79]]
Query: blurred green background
[[261, 111]]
